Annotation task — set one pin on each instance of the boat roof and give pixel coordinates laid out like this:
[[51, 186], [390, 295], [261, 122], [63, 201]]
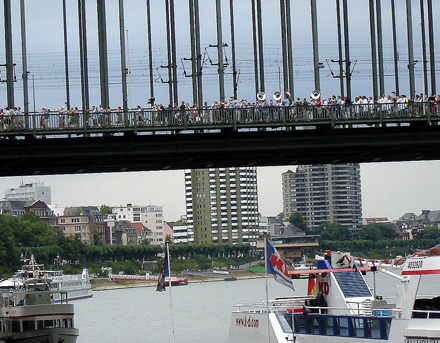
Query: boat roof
[[319, 271], [421, 265]]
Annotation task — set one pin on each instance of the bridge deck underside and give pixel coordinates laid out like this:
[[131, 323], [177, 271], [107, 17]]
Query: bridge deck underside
[[227, 148]]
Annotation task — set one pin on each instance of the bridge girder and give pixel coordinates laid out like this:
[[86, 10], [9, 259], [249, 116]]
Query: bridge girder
[[228, 148]]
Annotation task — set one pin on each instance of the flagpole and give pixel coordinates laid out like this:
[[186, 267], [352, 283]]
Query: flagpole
[[267, 288], [171, 298]]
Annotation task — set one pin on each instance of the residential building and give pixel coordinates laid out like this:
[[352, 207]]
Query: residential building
[[30, 192], [19, 208], [222, 205], [151, 217], [181, 233], [375, 220], [324, 193], [408, 225], [86, 221], [42, 210]]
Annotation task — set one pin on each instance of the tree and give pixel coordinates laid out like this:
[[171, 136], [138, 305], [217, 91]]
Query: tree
[[180, 222], [332, 232], [377, 232], [297, 219], [104, 209], [168, 238], [429, 232]]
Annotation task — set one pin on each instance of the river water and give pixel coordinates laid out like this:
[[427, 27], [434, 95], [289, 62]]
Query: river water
[[201, 311]]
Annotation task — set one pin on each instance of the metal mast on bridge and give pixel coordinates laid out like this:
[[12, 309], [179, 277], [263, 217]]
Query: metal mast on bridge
[[103, 60], [8, 52], [286, 46]]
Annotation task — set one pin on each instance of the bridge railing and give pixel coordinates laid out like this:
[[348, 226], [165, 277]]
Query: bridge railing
[[176, 119]]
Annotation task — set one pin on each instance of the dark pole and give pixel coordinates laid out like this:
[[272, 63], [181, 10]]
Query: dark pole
[[314, 18], [123, 56], [66, 56], [24, 63], [198, 53], [284, 46], [173, 51], [83, 55], [411, 62], [340, 62], [221, 76], [103, 60], [170, 86], [8, 53], [289, 49], [396, 57], [193, 51], [347, 49], [234, 66], [380, 47], [431, 46], [254, 41], [260, 45], [424, 60], [373, 49]]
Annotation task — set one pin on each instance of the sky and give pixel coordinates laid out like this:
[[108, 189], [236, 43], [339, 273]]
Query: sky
[[388, 189]]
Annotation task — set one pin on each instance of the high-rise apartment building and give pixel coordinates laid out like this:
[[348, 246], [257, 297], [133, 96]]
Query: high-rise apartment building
[[222, 205], [324, 193], [29, 192]]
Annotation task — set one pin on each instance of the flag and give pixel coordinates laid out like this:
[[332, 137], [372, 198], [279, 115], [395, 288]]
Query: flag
[[164, 272], [311, 286], [277, 267]]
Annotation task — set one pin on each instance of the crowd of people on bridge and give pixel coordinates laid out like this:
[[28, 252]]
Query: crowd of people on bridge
[[260, 110]]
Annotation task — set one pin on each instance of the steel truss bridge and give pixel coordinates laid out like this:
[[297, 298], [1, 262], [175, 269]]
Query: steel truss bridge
[[56, 143]]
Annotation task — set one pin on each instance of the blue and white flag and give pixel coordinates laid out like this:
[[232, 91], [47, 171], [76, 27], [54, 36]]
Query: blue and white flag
[[277, 267], [164, 272]]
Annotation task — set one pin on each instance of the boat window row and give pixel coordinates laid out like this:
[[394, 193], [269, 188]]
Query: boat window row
[[344, 326], [22, 325]]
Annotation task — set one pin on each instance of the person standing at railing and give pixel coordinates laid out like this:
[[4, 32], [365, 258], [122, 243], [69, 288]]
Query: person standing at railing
[[18, 118], [119, 116], [94, 111], [46, 118], [140, 115], [61, 117], [2, 118], [432, 102], [107, 117]]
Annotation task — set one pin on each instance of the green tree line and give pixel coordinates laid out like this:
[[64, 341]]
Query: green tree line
[[29, 235], [377, 241]]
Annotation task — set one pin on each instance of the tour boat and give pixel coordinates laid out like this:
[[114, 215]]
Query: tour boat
[[346, 309], [30, 315], [78, 285]]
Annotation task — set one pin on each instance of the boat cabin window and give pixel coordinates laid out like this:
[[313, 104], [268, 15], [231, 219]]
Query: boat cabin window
[[285, 322], [15, 326], [427, 303], [28, 325], [341, 326], [344, 326]]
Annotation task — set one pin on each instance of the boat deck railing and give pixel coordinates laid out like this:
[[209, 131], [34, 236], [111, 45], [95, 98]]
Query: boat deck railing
[[426, 314], [290, 305]]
